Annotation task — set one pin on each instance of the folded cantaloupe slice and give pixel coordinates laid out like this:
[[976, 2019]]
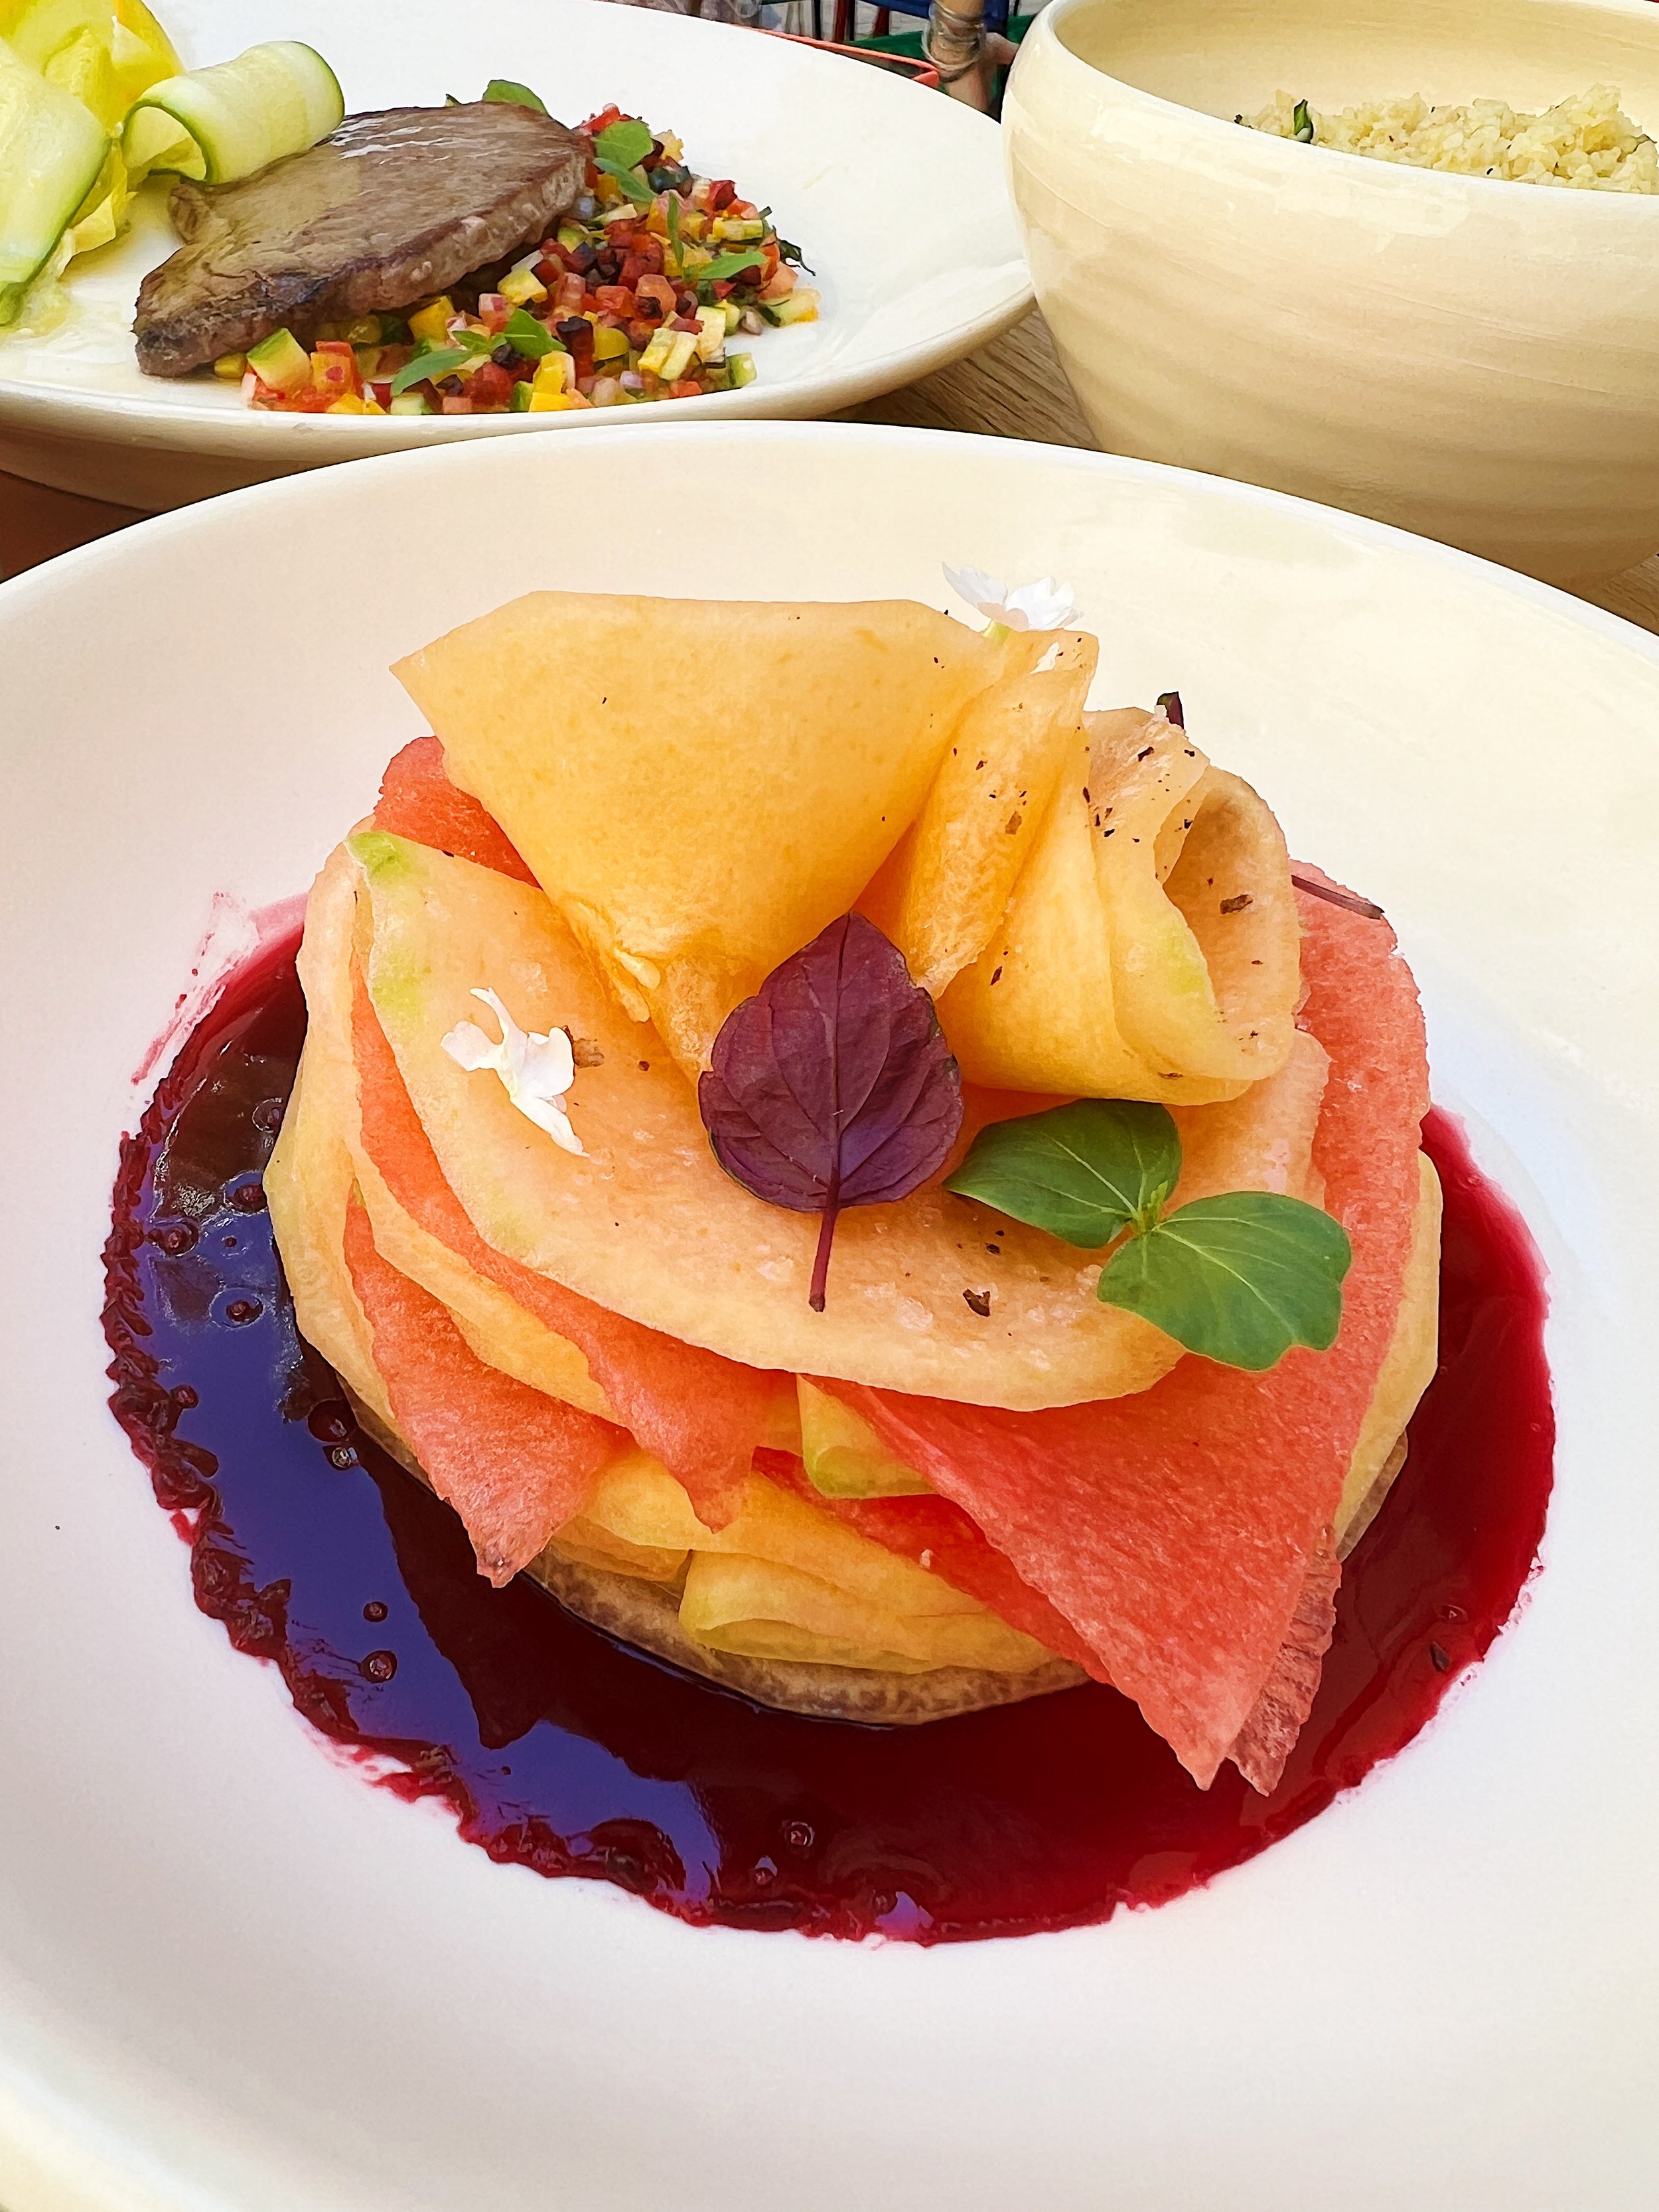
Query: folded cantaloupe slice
[[701, 786], [1150, 947], [945, 890]]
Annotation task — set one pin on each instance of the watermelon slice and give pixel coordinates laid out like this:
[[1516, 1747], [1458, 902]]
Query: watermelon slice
[[1269, 1733], [515, 1464], [938, 1536], [418, 801], [1175, 1529], [702, 1416]]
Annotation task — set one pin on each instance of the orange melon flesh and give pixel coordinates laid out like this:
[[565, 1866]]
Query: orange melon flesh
[[942, 893], [701, 785], [1175, 1529], [514, 1463], [417, 800], [646, 1223], [702, 1415]]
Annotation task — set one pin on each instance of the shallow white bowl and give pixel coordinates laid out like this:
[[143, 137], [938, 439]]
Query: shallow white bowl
[[895, 198], [235, 1978], [1468, 358]]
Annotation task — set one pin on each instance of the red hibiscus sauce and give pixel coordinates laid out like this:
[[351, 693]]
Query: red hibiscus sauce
[[561, 1750]]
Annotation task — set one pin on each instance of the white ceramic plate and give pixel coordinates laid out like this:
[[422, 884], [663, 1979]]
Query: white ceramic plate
[[235, 1978], [895, 196]]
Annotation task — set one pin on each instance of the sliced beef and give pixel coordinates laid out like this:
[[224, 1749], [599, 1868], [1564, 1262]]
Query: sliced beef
[[387, 210]]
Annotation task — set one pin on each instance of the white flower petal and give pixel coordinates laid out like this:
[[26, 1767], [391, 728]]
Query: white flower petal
[[468, 1045], [980, 590], [547, 1117], [535, 1070], [1045, 604], [549, 1065]]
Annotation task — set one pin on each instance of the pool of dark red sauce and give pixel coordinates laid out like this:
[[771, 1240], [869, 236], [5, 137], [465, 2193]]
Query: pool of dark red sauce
[[563, 1752]]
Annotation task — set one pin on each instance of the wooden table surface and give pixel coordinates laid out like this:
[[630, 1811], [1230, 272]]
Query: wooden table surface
[[1012, 389]]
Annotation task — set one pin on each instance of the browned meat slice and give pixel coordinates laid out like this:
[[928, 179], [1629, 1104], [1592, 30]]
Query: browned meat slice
[[389, 209]]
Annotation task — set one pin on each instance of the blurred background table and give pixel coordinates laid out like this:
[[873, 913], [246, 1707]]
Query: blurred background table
[[1012, 389]]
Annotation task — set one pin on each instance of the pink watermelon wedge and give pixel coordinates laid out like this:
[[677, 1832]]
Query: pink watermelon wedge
[[702, 1416], [514, 1463], [1175, 1530], [418, 801]]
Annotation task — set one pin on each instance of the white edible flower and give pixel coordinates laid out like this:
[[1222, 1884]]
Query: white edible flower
[[537, 1072], [1045, 604]]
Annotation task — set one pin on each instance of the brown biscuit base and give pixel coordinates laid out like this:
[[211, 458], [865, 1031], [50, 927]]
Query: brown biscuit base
[[646, 1615]]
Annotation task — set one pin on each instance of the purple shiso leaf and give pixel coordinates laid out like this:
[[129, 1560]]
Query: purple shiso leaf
[[832, 1086]]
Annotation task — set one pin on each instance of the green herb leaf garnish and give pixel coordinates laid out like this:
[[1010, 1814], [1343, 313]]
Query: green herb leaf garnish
[[444, 362], [1086, 1172], [727, 265], [633, 188], [502, 90], [1302, 123], [674, 228], [627, 143], [527, 336], [1239, 1279]]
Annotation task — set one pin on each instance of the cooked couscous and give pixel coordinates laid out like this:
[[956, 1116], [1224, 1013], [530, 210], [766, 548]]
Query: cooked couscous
[[1587, 142]]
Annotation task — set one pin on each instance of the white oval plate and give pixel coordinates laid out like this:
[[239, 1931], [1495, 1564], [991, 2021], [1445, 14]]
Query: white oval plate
[[234, 1978], [894, 195]]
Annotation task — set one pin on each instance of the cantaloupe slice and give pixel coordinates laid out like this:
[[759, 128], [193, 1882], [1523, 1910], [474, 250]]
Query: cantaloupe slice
[[1174, 1529], [705, 1416], [514, 1463], [307, 1186], [785, 1580], [942, 894], [309, 1177], [1407, 1372], [941, 1539], [766, 1611], [638, 1502], [701, 785], [644, 1222], [1149, 947]]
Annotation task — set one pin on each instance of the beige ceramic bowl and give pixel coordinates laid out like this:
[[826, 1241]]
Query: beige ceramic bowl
[[1473, 360]]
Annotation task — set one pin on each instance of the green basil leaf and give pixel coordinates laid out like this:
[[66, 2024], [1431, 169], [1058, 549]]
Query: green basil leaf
[[1084, 1172], [627, 141], [509, 94], [1239, 1279], [435, 365], [633, 188], [527, 336], [727, 265]]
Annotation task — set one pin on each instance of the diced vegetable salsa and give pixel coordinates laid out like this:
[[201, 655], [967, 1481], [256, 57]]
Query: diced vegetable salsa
[[637, 297]]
